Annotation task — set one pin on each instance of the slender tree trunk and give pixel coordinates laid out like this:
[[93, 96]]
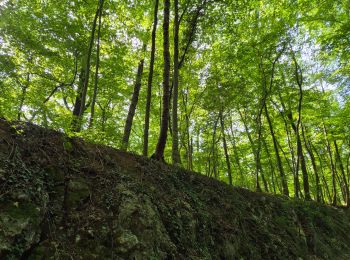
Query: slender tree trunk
[[213, 147], [323, 188], [264, 98], [187, 120], [299, 80], [159, 153], [295, 169], [77, 103], [328, 192], [236, 153], [96, 69], [301, 162], [266, 186], [345, 182], [256, 155], [199, 169], [227, 158], [190, 159], [272, 167], [80, 106], [175, 144], [333, 169], [278, 158], [150, 79], [133, 104], [308, 147], [103, 117], [23, 95]]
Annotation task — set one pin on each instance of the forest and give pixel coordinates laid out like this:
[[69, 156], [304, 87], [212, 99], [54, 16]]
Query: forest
[[254, 93]]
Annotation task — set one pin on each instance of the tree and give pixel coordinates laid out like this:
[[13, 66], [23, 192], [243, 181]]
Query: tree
[[97, 68], [80, 101], [258, 90], [159, 153], [133, 104], [175, 134], [150, 79]]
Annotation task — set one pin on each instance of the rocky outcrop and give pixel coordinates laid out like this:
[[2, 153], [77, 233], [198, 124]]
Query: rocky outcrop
[[61, 198]]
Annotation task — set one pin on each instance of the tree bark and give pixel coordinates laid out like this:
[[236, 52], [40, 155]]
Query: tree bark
[[150, 79], [92, 115], [295, 171], [133, 104], [258, 167], [227, 158], [214, 150], [333, 169], [187, 120], [23, 96], [236, 156], [80, 106], [272, 166], [308, 147], [345, 182], [175, 144], [301, 158], [159, 153], [277, 154]]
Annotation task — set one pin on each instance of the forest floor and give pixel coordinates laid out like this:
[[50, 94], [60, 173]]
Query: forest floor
[[62, 198]]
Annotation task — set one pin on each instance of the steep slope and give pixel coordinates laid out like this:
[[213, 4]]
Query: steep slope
[[61, 198]]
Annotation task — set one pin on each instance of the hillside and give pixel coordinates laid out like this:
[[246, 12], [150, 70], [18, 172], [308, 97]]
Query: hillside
[[61, 198]]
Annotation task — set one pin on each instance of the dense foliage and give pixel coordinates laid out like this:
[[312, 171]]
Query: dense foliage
[[261, 87]]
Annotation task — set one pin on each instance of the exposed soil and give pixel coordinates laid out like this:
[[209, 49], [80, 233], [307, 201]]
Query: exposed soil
[[62, 198]]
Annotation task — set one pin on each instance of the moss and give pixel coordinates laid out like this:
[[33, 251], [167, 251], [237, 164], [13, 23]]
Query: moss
[[19, 222], [78, 192], [20, 212], [126, 241]]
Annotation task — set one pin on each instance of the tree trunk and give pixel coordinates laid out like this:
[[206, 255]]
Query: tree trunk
[[295, 171], [227, 158], [278, 158], [79, 106], [345, 182], [299, 80], [213, 147], [301, 160], [266, 187], [323, 188], [272, 167], [96, 69], [159, 153], [258, 167], [150, 80], [308, 147], [187, 113], [133, 104], [236, 154], [333, 169], [175, 144], [23, 96]]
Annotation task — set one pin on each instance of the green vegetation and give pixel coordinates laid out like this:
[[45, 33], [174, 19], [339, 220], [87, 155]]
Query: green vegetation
[[95, 202], [252, 93]]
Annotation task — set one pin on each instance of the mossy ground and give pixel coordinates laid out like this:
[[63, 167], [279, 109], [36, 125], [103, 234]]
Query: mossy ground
[[83, 201]]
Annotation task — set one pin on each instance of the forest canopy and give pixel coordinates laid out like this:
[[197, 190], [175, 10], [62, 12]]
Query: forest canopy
[[253, 93]]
